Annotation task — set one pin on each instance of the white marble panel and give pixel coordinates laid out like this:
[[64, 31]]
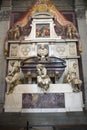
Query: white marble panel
[[59, 50], [13, 102], [14, 50], [27, 50], [72, 49], [73, 101], [63, 49], [33, 88], [51, 50]]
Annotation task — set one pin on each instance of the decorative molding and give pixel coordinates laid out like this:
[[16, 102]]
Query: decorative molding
[[4, 15]]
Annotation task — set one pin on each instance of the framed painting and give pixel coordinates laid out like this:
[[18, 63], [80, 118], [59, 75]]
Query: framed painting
[[43, 30]]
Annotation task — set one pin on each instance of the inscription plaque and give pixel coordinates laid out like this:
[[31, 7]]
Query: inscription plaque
[[44, 100]]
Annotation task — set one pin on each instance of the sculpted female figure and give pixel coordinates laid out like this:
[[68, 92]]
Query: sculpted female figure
[[43, 79], [72, 78]]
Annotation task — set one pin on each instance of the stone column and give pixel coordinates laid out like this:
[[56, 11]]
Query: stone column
[[4, 25], [82, 26]]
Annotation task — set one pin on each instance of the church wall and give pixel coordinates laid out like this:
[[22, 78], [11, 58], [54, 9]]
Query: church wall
[[23, 5], [80, 8], [83, 32], [3, 31], [4, 26]]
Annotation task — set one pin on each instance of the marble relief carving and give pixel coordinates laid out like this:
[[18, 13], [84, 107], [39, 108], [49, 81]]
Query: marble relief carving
[[72, 50], [25, 50], [60, 50], [14, 50], [28, 50]]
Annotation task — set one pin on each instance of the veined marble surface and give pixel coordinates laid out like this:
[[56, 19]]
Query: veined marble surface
[[43, 100]]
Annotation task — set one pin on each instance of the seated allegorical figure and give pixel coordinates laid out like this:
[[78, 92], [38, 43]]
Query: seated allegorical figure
[[43, 79], [14, 77], [72, 78]]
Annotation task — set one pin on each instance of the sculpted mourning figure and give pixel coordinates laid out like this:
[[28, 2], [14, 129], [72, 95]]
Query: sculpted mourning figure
[[14, 77], [43, 79], [76, 82], [72, 78]]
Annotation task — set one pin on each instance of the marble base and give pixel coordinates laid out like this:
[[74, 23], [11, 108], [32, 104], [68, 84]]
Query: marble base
[[73, 101]]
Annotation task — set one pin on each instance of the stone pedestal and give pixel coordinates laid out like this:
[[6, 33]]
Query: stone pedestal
[[30, 98]]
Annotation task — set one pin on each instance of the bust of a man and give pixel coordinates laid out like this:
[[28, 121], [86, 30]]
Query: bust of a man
[[42, 52]]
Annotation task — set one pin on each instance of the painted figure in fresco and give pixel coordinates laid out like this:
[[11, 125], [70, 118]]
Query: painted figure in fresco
[[14, 33], [43, 79], [14, 77], [42, 52], [71, 32], [45, 32], [72, 78]]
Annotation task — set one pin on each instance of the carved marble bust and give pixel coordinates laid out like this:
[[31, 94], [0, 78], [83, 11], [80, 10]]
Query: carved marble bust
[[42, 52]]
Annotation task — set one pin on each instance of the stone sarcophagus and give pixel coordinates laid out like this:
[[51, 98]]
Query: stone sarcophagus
[[52, 64]]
